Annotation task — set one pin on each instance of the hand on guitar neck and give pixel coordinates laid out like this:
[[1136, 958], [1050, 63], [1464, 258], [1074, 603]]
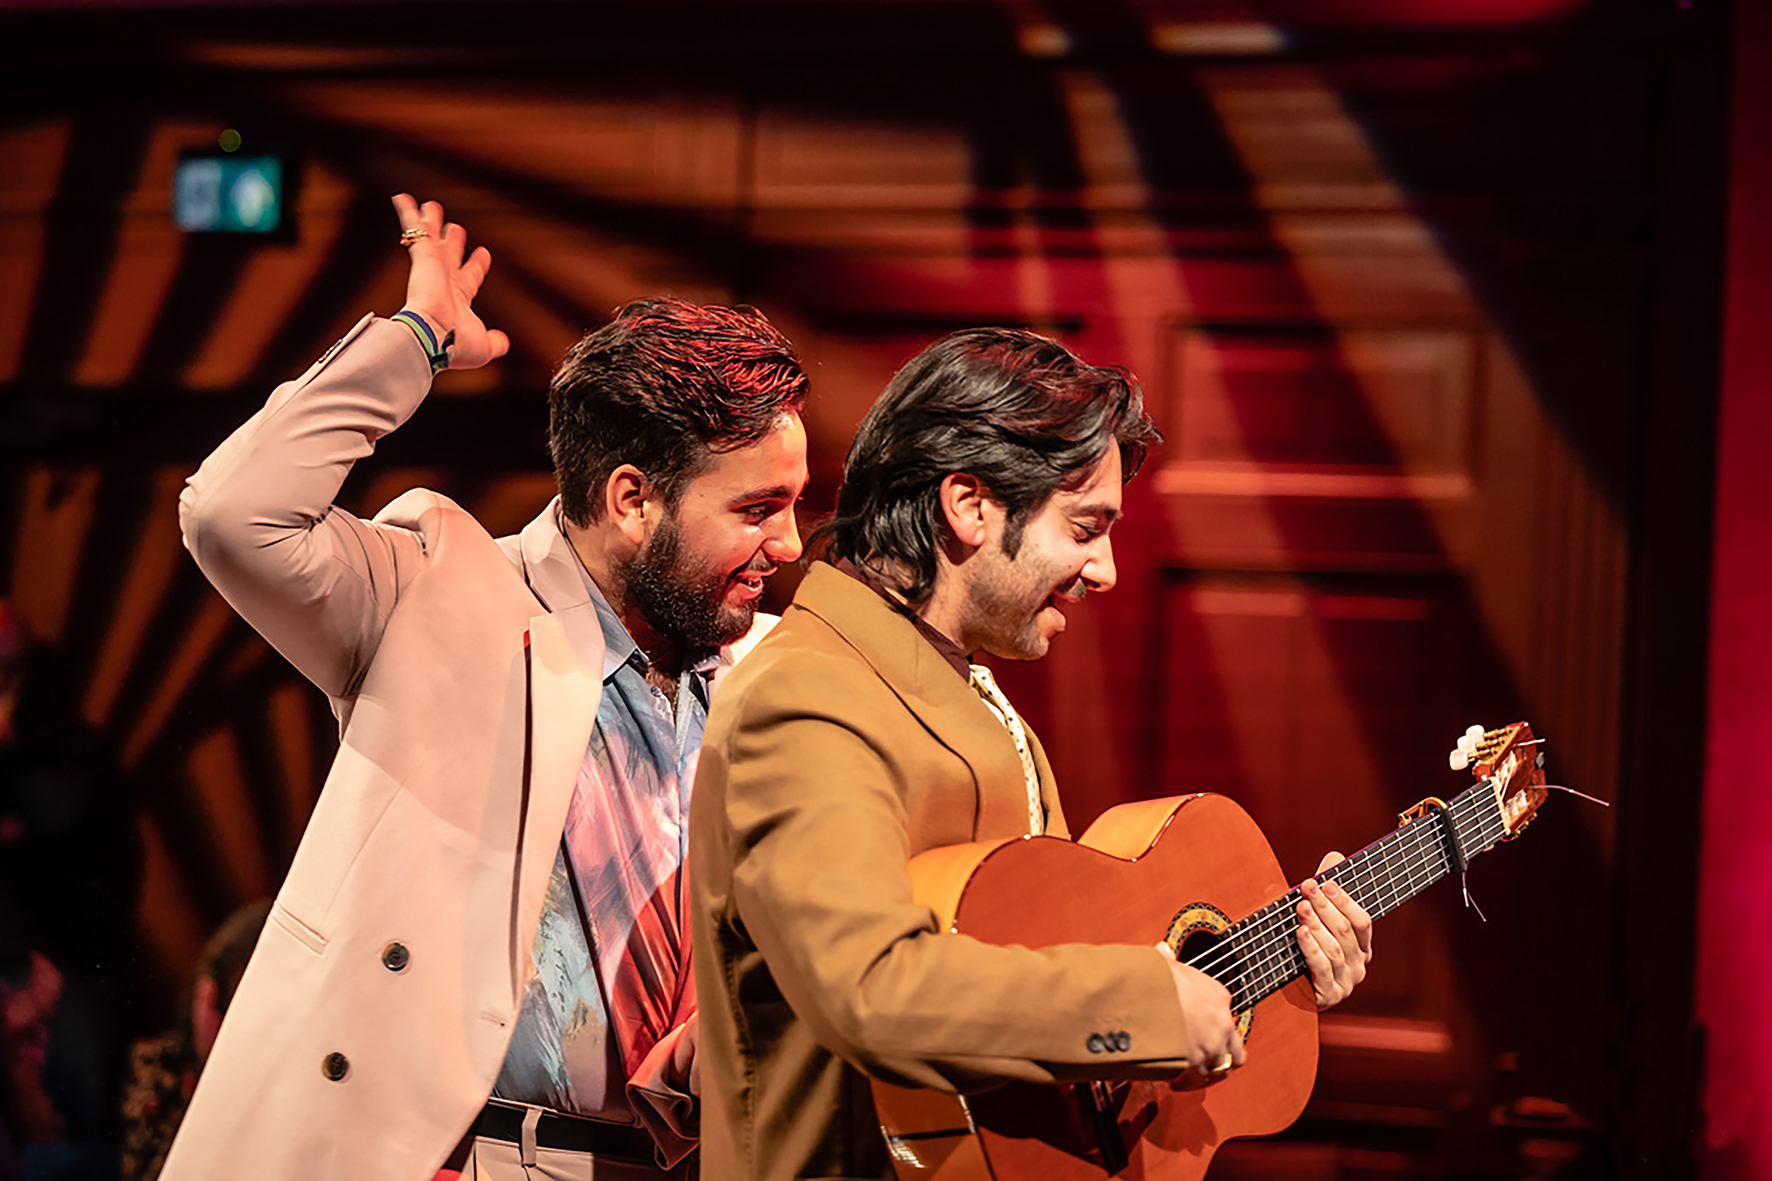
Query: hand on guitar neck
[[1197, 867], [1335, 935]]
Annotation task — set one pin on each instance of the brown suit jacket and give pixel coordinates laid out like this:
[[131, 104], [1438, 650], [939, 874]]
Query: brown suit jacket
[[840, 749]]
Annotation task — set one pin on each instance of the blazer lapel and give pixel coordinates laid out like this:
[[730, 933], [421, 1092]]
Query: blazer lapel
[[929, 687], [565, 689]]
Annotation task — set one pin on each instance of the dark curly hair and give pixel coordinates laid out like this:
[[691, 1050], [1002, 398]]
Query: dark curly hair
[[662, 386], [1017, 410]]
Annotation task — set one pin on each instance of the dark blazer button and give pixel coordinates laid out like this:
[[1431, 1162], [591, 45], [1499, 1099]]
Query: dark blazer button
[[395, 957], [1095, 1043], [1122, 1040], [335, 1067]]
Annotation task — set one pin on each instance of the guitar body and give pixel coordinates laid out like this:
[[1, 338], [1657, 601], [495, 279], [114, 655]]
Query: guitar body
[[1192, 863]]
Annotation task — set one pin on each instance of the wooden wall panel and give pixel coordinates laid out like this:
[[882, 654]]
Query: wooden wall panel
[[1381, 269]]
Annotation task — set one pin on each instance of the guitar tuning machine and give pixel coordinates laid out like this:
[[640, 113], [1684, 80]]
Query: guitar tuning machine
[[1466, 751]]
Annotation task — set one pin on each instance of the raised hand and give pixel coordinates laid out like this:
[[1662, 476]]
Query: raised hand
[[441, 286], [1335, 934]]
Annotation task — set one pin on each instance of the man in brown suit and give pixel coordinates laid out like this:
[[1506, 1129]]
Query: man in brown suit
[[976, 507]]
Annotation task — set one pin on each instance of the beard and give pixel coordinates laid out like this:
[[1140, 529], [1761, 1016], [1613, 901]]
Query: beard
[[684, 597], [1007, 599]]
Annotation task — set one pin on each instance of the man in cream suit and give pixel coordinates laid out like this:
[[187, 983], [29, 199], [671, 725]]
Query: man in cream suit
[[487, 899], [975, 512]]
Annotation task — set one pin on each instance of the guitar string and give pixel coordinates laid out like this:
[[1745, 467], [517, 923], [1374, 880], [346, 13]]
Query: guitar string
[[1268, 934], [1275, 928], [1271, 935], [1269, 943], [1276, 956], [1360, 870], [1412, 864], [1356, 875]]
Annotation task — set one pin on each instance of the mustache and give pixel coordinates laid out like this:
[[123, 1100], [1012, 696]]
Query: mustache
[[757, 565], [1076, 589]]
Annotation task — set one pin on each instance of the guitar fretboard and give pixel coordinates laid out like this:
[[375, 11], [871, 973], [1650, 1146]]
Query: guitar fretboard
[[1259, 954]]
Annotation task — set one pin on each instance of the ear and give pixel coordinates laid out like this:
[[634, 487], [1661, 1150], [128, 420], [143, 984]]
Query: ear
[[630, 503], [966, 507]]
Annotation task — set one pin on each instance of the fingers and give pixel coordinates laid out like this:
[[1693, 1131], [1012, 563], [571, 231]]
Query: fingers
[[1324, 981], [414, 216], [1220, 1063], [473, 271], [1214, 1047], [1325, 901], [450, 236], [1349, 920], [1335, 937], [454, 240], [444, 281], [1329, 858]]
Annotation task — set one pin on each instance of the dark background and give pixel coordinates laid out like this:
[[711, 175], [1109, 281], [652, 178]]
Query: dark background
[[1426, 296]]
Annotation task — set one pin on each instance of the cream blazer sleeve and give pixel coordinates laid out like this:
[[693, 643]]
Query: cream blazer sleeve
[[315, 581]]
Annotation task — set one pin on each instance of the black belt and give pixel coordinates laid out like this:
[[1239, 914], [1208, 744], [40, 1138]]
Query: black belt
[[503, 1120]]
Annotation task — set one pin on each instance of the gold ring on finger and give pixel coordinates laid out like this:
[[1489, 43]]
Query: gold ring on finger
[[1224, 1067], [408, 237]]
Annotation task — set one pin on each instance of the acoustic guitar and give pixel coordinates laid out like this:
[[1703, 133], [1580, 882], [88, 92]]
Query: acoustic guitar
[[1194, 870]]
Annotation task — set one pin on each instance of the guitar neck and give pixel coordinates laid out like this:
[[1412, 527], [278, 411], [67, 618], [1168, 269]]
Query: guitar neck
[[1263, 954]]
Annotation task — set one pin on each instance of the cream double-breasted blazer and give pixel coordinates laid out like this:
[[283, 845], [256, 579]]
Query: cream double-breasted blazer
[[465, 673]]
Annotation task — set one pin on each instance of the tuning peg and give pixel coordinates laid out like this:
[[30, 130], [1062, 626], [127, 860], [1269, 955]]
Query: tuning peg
[[1475, 733], [1468, 745], [1459, 759]]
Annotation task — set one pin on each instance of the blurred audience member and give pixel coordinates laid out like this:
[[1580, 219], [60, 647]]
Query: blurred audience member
[[30, 987], [69, 863], [164, 1069]]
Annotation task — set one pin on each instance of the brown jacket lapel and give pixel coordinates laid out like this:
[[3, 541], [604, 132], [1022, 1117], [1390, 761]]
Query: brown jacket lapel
[[930, 689]]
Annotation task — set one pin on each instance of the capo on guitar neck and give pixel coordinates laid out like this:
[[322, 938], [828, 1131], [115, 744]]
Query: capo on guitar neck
[[1456, 856], [1454, 847]]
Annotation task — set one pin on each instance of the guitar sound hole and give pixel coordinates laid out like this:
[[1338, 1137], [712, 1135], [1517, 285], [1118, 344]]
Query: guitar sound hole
[[1200, 948], [1196, 935]]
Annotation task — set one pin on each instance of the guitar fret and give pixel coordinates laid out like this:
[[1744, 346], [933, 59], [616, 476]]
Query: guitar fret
[[1259, 954]]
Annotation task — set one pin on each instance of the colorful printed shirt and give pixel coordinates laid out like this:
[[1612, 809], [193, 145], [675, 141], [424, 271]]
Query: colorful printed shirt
[[609, 970]]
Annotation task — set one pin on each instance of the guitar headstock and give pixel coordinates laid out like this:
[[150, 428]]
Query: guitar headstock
[[1509, 760]]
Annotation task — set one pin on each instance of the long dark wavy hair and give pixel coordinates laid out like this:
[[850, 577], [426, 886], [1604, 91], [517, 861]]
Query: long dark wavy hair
[[1018, 411], [662, 386]]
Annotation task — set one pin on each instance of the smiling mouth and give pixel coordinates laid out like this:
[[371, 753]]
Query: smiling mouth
[[751, 580]]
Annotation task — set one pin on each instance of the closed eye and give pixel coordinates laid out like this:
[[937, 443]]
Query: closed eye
[[762, 510]]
